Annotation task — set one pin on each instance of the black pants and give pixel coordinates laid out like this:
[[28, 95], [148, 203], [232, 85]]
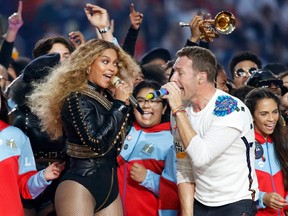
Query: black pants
[[240, 208]]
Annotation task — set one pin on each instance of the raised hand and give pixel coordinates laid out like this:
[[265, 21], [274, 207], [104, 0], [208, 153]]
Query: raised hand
[[76, 38], [136, 18], [195, 28], [14, 23], [97, 16], [15, 20]]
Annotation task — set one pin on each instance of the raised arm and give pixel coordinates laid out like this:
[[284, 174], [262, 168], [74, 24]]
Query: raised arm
[[99, 18], [136, 19], [196, 34], [76, 38], [14, 24]]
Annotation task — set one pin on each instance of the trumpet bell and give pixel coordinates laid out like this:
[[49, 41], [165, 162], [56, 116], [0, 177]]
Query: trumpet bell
[[224, 22]]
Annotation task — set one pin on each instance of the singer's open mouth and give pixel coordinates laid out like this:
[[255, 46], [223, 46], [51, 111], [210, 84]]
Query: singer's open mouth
[[108, 75], [181, 89]]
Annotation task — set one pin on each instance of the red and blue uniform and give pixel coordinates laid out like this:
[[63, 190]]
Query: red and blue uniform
[[157, 194], [270, 176], [17, 170]]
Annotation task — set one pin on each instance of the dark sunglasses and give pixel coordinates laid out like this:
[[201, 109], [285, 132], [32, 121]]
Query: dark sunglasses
[[241, 72], [269, 83]]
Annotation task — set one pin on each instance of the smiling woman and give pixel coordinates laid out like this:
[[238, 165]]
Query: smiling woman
[[104, 68], [147, 161], [271, 152], [75, 100]]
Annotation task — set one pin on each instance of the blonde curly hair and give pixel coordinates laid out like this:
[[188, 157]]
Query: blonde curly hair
[[47, 98]]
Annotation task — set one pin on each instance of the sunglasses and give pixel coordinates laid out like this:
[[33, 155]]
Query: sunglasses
[[269, 83], [241, 72]]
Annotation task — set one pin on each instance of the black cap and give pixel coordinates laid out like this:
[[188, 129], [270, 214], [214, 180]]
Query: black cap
[[156, 53], [260, 75], [275, 68], [40, 67]]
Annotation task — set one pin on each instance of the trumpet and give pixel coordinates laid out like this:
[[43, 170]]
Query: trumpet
[[223, 23]]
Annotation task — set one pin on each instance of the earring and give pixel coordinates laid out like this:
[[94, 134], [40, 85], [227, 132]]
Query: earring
[[88, 70], [199, 82]]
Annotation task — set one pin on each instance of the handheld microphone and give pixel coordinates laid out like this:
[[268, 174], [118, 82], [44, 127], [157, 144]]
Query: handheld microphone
[[159, 93], [116, 81]]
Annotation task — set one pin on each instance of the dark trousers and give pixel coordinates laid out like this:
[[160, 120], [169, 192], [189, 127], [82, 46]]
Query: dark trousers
[[240, 208]]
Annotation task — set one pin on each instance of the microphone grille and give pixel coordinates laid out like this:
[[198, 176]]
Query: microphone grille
[[115, 80]]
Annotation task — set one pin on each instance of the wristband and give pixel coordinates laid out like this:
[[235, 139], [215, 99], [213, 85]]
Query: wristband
[[178, 109], [104, 30]]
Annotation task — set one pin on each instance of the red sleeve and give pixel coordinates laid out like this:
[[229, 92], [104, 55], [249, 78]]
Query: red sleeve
[[168, 195], [23, 184]]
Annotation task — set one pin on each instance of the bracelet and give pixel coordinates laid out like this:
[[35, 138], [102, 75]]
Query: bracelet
[[104, 30], [174, 114], [178, 109]]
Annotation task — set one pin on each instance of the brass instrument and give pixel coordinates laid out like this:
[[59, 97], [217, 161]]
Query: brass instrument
[[183, 24], [223, 23]]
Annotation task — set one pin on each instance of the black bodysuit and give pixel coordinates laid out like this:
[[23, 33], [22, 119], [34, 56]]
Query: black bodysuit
[[94, 125]]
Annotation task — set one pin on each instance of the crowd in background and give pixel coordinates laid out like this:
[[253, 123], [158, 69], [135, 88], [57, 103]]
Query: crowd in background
[[112, 110], [261, 26]]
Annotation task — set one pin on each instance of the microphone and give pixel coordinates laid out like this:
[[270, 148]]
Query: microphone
[[116, 81], [159, 93]]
